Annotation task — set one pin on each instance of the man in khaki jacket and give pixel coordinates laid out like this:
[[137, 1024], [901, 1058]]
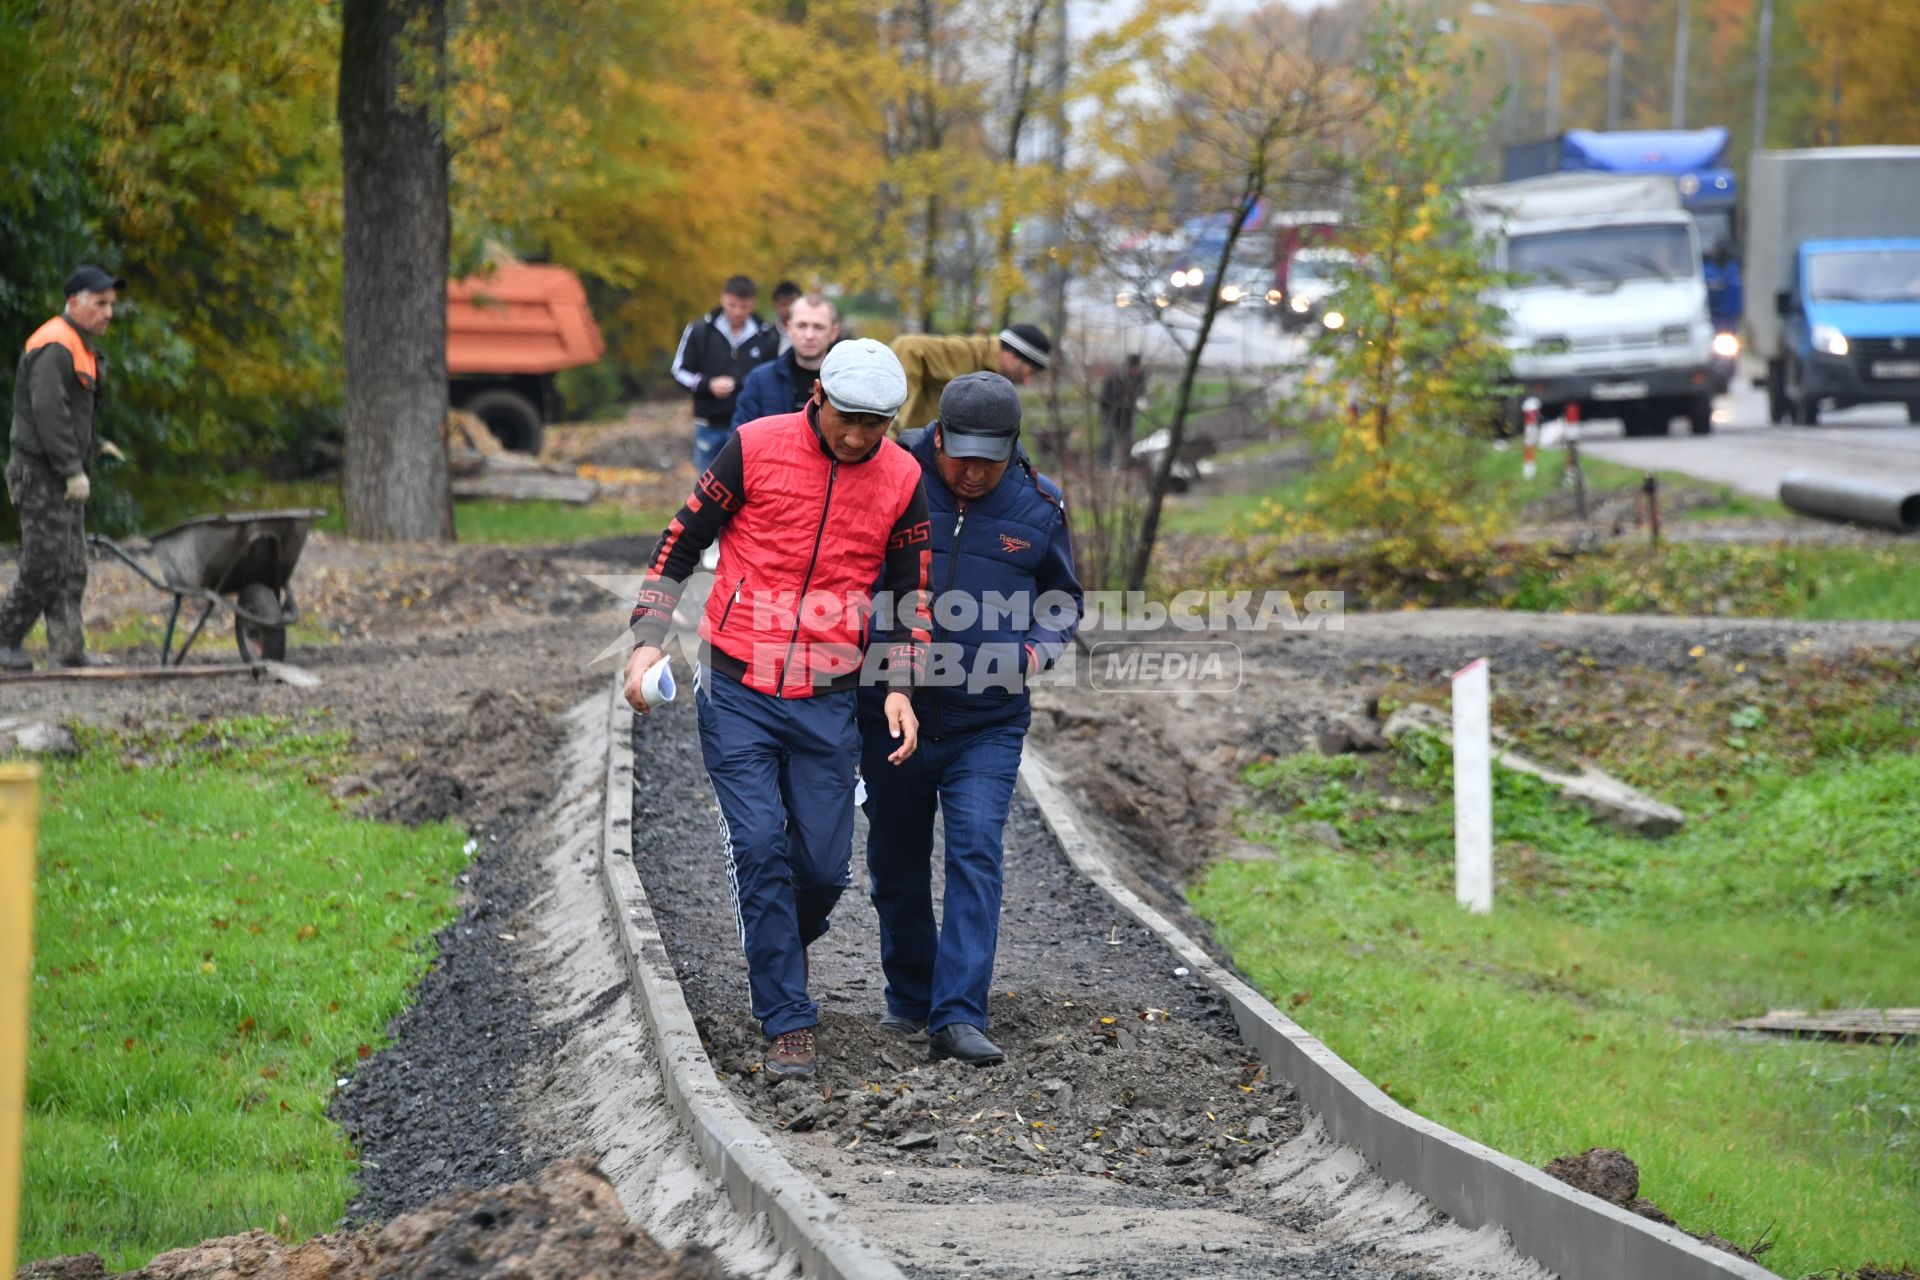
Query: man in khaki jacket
[[1016, 353]]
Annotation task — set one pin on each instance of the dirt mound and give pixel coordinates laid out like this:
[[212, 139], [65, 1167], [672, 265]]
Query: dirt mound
[[1610, 1175], [565, 1224], [1121, 1093], [1602, 1172], [489, 760]]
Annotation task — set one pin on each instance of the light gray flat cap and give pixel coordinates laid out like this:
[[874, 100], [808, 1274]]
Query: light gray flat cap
[[863, 376]]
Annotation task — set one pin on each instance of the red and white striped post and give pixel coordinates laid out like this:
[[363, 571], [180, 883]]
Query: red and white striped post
[[1531, 410]]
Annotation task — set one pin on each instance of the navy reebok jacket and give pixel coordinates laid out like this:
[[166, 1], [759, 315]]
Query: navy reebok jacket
[[1013, 542]]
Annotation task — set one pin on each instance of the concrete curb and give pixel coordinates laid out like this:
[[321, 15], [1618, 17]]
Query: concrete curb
[[1575, 1234], [758, 1179]]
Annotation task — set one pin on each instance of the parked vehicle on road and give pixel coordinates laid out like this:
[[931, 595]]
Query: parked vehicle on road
[[509, 331], [1312, 278], [1606, 302], [1696, 160], [1834, 270]]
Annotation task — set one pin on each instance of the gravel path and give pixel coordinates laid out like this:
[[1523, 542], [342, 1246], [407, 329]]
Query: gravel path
[[1129, 1134]]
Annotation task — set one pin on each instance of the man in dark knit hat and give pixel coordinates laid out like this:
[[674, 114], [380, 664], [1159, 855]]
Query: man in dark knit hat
[[1016, 353], [1004, 556]]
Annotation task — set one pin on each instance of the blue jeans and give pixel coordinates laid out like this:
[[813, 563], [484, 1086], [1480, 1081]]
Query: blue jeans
[[782, 770], [707, 444], [944, 976]]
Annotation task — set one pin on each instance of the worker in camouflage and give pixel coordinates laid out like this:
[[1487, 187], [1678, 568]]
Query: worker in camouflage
[[48, 475]]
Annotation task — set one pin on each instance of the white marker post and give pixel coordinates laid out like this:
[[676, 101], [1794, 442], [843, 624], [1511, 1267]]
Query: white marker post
[[1472, 789]]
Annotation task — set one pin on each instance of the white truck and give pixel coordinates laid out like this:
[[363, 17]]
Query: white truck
[[1606, 301]]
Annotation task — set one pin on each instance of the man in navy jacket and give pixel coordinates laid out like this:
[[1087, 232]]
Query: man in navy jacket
[[1006, 606], [786, 384]]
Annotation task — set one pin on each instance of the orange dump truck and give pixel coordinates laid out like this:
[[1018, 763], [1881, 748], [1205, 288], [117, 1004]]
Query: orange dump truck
[[508, 332]]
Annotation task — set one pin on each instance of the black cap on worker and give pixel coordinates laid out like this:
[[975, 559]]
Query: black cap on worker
[[979, 417], [92, 280], [1028, 342]]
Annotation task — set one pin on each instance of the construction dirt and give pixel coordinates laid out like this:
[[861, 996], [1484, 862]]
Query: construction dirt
[[566, 1221], [1102, 1147]]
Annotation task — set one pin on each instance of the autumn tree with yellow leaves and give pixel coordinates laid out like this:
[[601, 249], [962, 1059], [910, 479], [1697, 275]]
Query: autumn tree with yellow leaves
[[1417, 366]]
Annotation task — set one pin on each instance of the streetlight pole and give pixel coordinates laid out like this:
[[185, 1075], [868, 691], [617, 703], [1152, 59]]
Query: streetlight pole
[[1482, 9], [1614, 58], [1682, 41], [1509, 110], [1763, 57]]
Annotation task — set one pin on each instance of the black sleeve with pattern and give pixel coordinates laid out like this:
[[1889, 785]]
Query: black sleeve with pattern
[[908, 580], [716, 496]]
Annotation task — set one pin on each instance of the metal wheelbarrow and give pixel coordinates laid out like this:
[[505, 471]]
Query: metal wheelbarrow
[[240, 562]]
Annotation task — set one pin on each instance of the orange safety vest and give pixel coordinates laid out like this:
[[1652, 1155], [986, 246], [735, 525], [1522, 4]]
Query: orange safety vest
[[61, 330]]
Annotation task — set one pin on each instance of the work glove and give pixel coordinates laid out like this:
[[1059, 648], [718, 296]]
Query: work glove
[[78, 487], [108, 449]]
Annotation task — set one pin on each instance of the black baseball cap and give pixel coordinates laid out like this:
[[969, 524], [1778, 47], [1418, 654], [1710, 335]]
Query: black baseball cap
[[979, 417], [92, 280]]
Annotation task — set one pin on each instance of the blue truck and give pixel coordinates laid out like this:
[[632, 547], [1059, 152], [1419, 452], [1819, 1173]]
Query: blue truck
[[1835, 269], [1696, 160]]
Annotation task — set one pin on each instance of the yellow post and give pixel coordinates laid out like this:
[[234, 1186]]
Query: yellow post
[[19, 815]]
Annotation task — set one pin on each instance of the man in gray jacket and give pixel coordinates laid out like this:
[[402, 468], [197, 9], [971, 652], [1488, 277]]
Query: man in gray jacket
[[54, 445]]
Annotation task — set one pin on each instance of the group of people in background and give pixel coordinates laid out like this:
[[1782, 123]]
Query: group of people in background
[[739, 367], [922, 704]]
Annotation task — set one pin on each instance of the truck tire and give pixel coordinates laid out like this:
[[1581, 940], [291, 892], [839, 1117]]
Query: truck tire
[[1643, 420], [1913, 411], [1700, 415], [513, 419], [1777, 407], [1802, 407]]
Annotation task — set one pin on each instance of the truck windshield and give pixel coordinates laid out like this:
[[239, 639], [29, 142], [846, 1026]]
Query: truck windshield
[[1603, 254], [1316, 269], [1879, 275], [1716, 233]]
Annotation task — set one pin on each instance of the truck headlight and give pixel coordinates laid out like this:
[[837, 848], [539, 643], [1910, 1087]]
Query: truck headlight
[[1726, 345], [1230, 293], [1333, 320], [1829, 339], [1299, 305], [1674, 335]]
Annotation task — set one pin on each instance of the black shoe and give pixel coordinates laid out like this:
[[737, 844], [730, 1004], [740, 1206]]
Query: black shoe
[[87, 660], [901, 1023], [967, 1043], [14, 659]]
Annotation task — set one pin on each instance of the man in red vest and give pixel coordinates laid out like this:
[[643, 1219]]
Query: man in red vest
[[54, 445], [817, 506]]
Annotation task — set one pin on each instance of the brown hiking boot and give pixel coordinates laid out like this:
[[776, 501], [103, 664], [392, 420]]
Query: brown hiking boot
[[791, 1055]]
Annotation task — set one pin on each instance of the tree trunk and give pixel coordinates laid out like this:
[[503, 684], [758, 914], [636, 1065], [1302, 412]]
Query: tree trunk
[[394, 270], [1183, 399]]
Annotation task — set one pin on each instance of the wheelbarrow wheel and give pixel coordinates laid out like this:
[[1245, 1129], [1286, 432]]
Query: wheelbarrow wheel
[[257, 643]]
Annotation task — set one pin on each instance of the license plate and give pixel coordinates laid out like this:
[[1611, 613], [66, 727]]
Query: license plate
[[1619, 391], [1896, 369]]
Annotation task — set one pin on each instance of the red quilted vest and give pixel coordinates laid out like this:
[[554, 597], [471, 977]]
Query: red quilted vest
[[799, 559]]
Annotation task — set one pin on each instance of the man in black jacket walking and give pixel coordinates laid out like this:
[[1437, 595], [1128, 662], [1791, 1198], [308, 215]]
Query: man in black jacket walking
[[715, 355]]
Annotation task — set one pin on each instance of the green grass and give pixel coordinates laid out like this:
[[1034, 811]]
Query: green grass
[[141, 636], [1581, 1012], [1500, 472], [214, 945], [493, 520]]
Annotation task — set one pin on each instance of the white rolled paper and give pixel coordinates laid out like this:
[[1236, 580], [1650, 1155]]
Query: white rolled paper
[[656, 687]]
